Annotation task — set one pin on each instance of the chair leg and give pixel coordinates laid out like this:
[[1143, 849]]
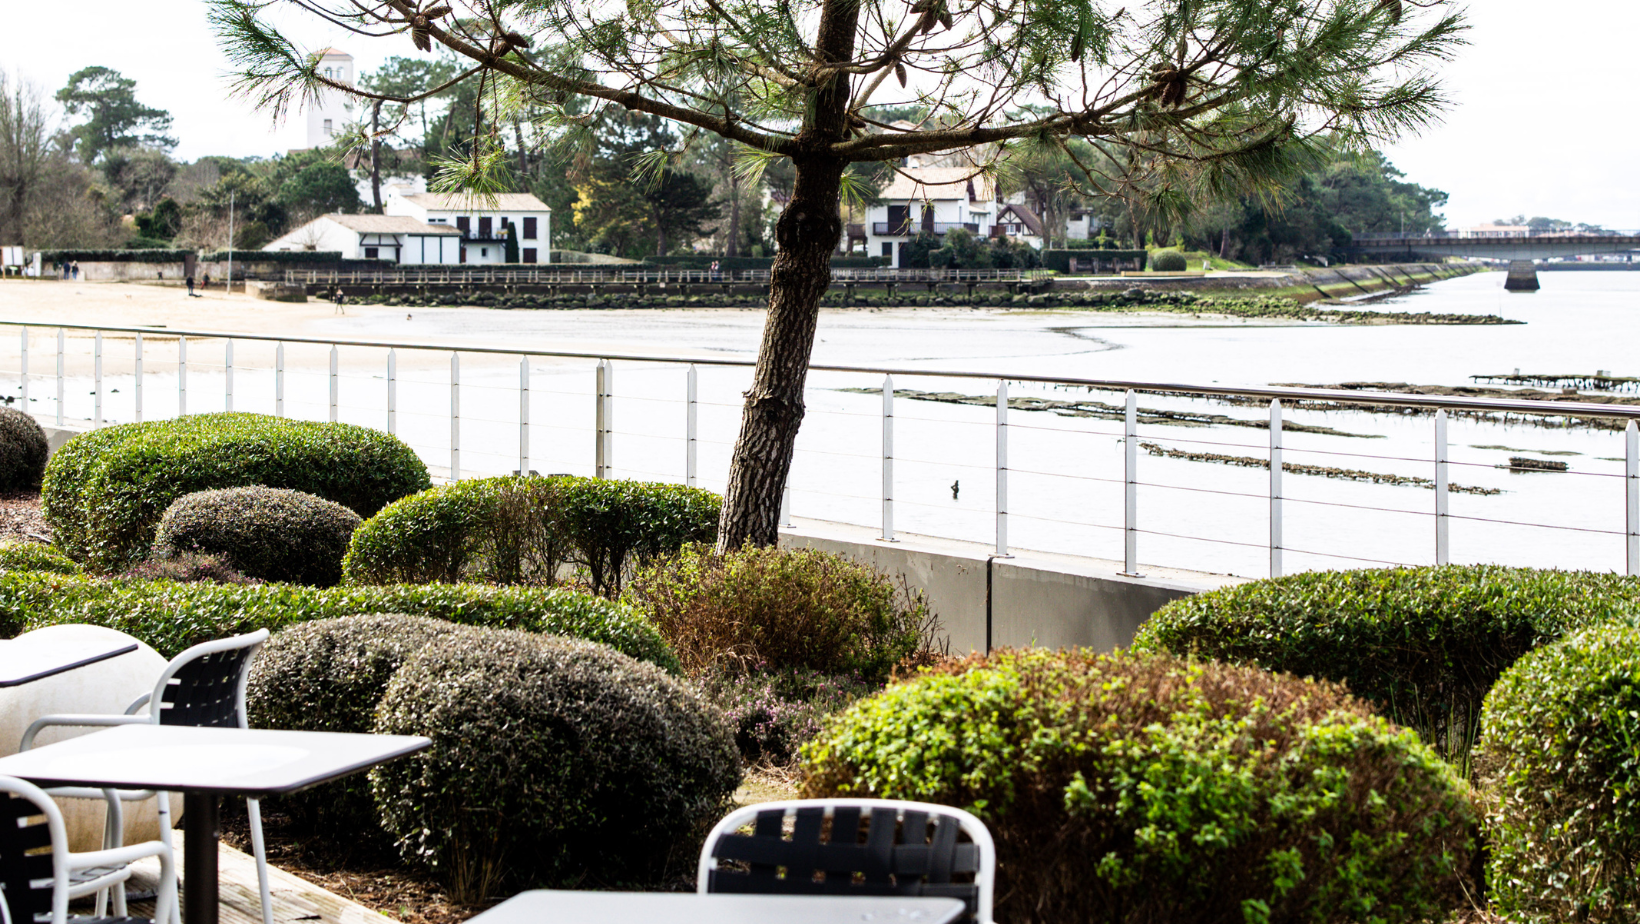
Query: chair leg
[[114, 836], [253, 808], [162, 801]]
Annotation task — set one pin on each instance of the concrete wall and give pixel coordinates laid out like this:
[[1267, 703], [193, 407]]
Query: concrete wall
[[1030, 599]]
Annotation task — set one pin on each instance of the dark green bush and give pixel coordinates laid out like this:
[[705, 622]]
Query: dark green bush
[[188, 568], [35, 556], [104, 492], [1168, 261], [617, 525], [1126, 788], [23, 450], [774, 713], [485, 530], [781, 609], [171, 616], [552, 761], [1559, 765], [272, 534], [329, 675], [1423, 645]]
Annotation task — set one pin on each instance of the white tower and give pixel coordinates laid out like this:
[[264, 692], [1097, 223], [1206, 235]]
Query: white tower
[[334, 108]]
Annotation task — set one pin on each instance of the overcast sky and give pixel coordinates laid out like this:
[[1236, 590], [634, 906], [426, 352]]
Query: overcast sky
[[1543, 124]]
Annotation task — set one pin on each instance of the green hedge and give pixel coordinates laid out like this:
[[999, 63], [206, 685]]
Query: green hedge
[[1128, 789], [274, 256], [23, 450], [35, 556], [1424, 645], [1559, 763], [1061, 259], [271, 534], [1168, 261], [146, 255], [552, 761], [511, 529], [104, 491], [702, 261], [171, 616]]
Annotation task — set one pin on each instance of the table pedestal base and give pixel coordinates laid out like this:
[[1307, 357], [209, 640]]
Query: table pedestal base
[[202, 827]]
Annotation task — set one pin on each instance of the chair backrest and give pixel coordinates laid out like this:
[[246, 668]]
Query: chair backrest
[[32, 839], [205, 685], [872, 847]]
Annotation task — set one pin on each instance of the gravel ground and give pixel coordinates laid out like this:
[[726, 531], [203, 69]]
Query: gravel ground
[[20, 518]]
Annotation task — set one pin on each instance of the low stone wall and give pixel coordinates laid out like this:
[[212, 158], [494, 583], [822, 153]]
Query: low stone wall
[[1358, 279]]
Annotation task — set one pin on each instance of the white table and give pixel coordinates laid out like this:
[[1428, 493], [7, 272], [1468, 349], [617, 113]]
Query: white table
[[23, 660], [548, 906], [205, 764]]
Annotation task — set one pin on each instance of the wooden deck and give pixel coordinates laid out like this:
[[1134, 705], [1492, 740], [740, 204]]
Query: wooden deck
[[294, 898]]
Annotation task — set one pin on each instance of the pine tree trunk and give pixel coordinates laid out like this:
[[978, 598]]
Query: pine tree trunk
[[375, 155], [807, 234], [732, 248]]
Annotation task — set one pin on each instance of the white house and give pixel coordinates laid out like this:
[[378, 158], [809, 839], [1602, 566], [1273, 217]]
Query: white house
[[932, 199], [482, 222], [1015, 221], [395, 238], [333, 109]]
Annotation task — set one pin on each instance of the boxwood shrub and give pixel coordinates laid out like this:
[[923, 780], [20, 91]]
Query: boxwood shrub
[[781, 609], [329, 675], [1423, 645], [1130, 788], [553, 762], [519, 529], [104, 492], [23, 450], [1559, 764], [272, 534], [35, 556], [171, 616], [1168, 261]]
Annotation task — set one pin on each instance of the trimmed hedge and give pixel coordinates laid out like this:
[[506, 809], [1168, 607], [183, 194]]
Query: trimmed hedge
[[784, 610], [1423, 645], [272, 534], [35, 556], [1559, 760], [1061, 259], [329, 675], [1124, 788], [145, 255], [1168, 261], [273, 256], [552, 760], [104, 491], [513, 530], [170, 616], [23, 450]]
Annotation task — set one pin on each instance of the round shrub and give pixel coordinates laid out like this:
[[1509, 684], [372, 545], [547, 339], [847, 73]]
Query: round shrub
[[1423, 645], [23, 450], [1168, 261], [329, 675], [188, 568], [616, 525], [485, 530], [781, 609], [104, 492], [35, 556], [1559, 764], [1126, 788], [552, 760], [272, 534]]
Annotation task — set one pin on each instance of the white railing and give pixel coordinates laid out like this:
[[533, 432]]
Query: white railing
[[1038, 459]]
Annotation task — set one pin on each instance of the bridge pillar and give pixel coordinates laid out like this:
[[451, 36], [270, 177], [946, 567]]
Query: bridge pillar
[[1522, 277]]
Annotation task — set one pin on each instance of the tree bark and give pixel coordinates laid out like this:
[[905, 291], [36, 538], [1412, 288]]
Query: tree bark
[[732, 249], [375, 155]]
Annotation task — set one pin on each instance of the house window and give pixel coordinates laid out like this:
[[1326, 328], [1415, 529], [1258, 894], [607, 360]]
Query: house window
[[484, 225], [888, 249], [529, 252], [529, 233], [370, 253], [328, 129], [463, 224], [483, 251]]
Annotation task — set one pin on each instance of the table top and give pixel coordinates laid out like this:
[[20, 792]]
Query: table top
[[236, 761], [547, 906], [24, 660]]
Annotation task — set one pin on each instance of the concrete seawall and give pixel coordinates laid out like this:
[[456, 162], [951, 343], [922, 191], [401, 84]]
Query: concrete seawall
[[1330, 282]]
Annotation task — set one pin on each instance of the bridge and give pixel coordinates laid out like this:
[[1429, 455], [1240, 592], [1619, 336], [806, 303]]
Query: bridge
[[1536, 247]]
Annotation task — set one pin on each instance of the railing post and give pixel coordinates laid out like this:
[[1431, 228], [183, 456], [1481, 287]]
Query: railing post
[[1002, 470], [60, 361], [25, 368], [182, 376], [1443, 541], [1631, 494], [335, 381], [604, 450], [690, 426], [455, 416], [279, 380], [96, 381], [137, 382], [786, 503], [888, 458], [1275, 488], [392, 390], [1130, 487], [523, 416], [227, 369]]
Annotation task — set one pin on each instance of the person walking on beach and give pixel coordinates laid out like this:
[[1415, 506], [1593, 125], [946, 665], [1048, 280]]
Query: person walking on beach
[[191, 288], [341, 301]]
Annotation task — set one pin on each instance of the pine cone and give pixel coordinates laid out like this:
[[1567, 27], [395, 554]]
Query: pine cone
[[418, 33]]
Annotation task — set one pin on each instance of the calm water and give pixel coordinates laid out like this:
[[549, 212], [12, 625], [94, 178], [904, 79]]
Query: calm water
[[1064, 487]]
